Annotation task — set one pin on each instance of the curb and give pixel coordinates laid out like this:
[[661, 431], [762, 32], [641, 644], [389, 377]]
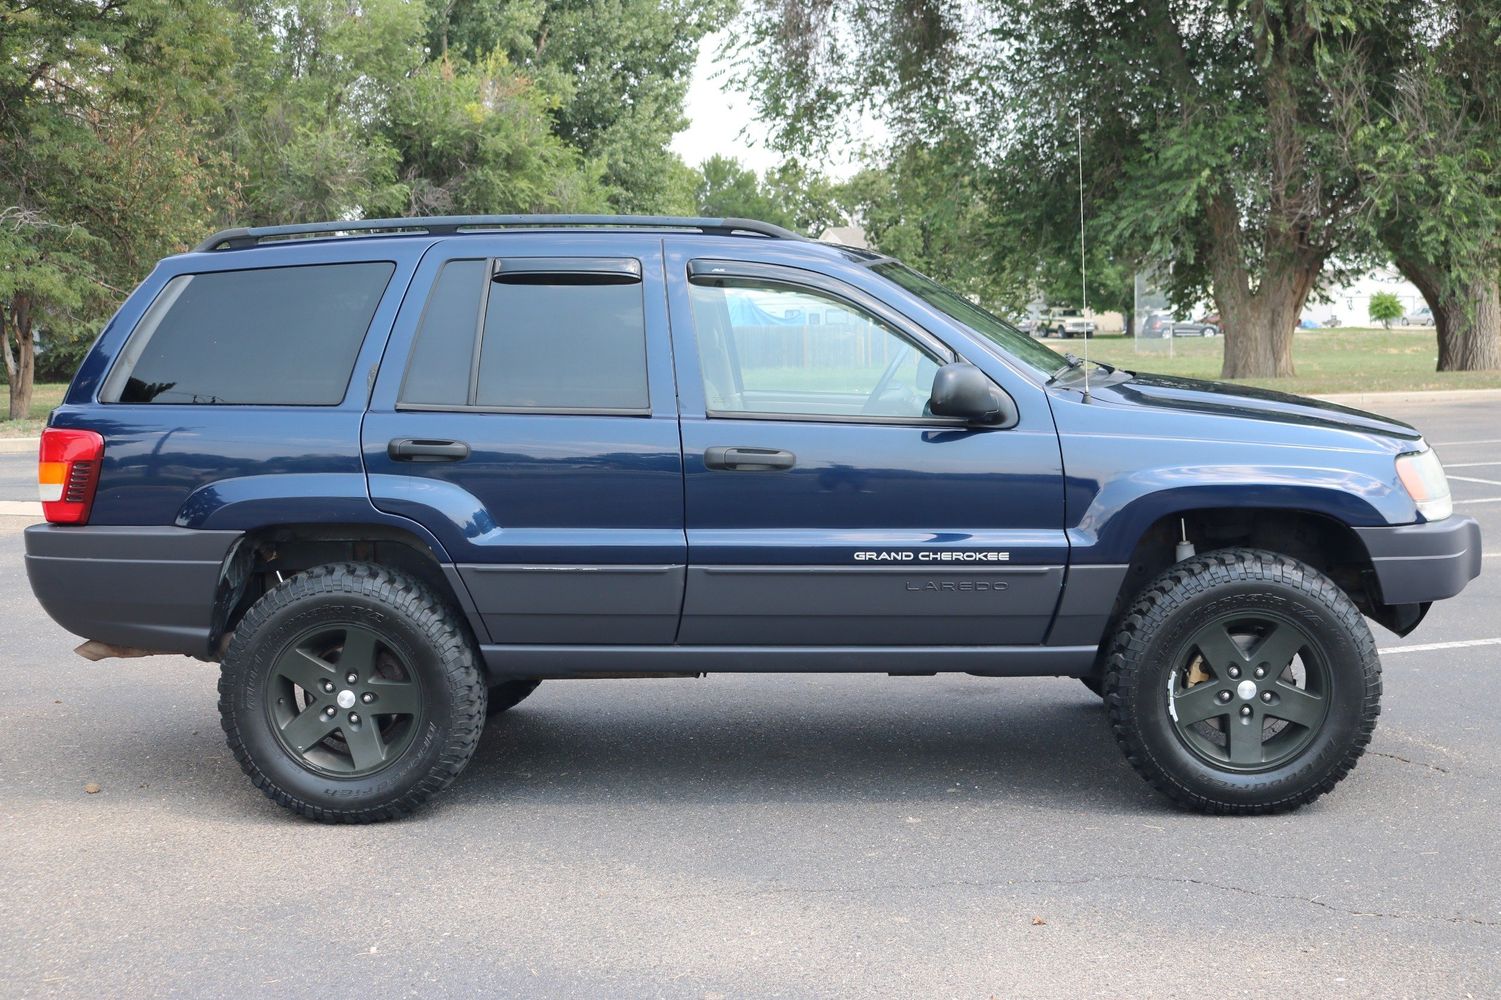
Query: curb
[[1412, 396], [19, 446]]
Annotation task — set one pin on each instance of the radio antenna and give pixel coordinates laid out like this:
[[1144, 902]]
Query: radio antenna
[[1083, 275]]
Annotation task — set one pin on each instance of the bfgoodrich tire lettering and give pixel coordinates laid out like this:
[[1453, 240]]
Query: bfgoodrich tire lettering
[[1160, 663], [406, 625]]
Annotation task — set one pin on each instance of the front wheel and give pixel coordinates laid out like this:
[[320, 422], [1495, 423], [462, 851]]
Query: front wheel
[[1243, 681], [350, 693]]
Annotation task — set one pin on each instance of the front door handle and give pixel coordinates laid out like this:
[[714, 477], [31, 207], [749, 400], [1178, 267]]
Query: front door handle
[[748, 459], [426, 450]]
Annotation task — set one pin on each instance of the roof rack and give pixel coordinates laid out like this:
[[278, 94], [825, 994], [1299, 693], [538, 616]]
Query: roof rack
[[448, 225]]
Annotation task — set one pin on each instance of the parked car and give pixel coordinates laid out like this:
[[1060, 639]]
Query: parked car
[[1422, 316], [1030, 326], [1190, 328], [1157, 324], [1067, 323], [392, 475]]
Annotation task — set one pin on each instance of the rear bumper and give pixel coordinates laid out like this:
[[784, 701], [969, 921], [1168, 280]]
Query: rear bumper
[[1418, 563], [150, 588]]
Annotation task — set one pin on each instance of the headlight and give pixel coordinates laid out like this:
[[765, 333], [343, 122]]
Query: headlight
[[1422, 475]]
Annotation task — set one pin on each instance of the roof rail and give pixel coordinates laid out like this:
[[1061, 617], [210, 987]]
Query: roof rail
[[448, 225]]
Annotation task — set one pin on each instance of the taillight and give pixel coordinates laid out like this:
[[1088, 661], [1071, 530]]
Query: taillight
[[67, 471]]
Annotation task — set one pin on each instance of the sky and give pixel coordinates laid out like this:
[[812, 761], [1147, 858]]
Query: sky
[[721, 120]]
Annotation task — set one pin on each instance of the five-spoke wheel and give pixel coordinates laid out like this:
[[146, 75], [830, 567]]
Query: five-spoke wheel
[[351, 693], [342, 701], [1243, 681], [1252, 692]]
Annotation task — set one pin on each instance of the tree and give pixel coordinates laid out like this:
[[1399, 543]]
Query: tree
[[1424, 137], [103, 165], [788, 195], [1207, 144], [1385, 307], [620, 68]]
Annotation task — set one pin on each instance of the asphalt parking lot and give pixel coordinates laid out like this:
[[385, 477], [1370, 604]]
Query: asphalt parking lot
[[755, 836]]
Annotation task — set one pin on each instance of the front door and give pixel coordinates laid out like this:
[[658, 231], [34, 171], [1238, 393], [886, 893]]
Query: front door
[[525, 414], [825, 505]]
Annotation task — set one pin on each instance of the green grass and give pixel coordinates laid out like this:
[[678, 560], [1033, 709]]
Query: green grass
[[44, 396], [1327, 361]]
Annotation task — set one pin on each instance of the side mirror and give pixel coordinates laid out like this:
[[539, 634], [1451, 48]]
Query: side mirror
[[962, 390]]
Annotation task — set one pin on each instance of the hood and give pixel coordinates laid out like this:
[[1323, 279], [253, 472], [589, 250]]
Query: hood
[[1226, 400]]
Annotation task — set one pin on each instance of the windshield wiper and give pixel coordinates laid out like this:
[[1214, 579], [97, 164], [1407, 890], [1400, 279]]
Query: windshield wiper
[[1072, 361]]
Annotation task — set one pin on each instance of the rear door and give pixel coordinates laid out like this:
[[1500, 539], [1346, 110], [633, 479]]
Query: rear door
[[525, 414], [825, 506]]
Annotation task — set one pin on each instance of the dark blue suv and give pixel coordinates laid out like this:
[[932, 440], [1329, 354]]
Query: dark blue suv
[[393, 474]]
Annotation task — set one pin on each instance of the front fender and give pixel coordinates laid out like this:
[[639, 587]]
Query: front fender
[[1120, 510]]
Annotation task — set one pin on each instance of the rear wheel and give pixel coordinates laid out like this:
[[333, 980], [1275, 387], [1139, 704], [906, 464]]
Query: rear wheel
[[1243, 682], [350, 694]]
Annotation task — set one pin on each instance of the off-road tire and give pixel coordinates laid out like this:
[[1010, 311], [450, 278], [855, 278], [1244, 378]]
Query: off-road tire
[[1152, 637], [509, 694], [408, 616]]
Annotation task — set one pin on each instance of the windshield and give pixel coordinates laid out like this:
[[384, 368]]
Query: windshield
[[955, 306]]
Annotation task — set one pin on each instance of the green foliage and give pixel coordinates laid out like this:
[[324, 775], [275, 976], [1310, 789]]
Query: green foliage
[[619, 69], [129, 128], [1209, 151], [104, 160], [789, 195], [1385, 307]]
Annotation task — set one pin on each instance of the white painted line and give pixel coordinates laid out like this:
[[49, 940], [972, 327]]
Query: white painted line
[[24, 508], [1481, 500], [1472, 479], [1458, 444], [1430, 646], [1468, 465]]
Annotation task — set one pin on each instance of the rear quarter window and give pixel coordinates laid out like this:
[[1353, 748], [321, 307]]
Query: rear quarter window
[[267, 336]]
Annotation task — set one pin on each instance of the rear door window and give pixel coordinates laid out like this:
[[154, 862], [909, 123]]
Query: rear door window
[[268, 336], [549, 335]]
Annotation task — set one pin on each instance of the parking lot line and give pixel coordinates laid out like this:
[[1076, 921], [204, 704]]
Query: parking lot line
[[1468, 465], [1428, 646], [1481, 500], [1457, 444], [1472, 479]]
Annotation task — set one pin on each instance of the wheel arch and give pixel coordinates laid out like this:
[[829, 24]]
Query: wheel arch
[[1324, 542], [263, 555]]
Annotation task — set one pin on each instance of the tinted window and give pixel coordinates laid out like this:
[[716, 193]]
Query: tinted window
[[766, 347], [571, 342], [439, 370], [284, 335]]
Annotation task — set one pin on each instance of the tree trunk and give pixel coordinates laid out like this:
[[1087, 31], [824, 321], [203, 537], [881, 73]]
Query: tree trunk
[[1468, 319], [20, 364], [1258, 325]]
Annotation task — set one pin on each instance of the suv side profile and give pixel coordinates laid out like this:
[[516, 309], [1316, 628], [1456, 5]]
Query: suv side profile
[[394, 474]]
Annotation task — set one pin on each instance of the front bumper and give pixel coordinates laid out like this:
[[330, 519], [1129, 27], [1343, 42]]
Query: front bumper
[[1419, 563], [148, 588]]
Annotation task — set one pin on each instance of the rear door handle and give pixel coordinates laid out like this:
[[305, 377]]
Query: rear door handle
[[426, 450], [731, 459]]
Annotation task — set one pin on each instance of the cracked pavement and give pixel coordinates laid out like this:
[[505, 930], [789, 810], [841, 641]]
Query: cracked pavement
[[773, 836]]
